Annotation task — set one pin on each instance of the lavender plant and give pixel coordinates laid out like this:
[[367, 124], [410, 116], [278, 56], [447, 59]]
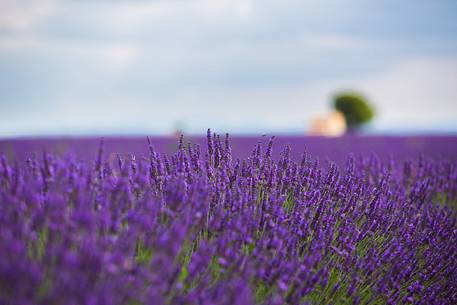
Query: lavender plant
[[201, 227]]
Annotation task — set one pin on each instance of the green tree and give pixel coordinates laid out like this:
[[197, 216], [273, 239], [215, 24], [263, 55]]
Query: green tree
[[355, 108]]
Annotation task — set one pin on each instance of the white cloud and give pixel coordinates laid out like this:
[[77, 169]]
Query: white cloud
[[229, 64], [121, 55], [115, 56], [331, 42], [420, 90], [132, 16], [21, 15], [221, 9]]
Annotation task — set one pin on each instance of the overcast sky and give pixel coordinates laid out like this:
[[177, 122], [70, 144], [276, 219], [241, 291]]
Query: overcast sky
[[242, 66]]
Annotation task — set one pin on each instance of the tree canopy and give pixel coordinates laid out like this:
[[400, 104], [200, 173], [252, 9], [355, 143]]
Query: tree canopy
[[355, 108]]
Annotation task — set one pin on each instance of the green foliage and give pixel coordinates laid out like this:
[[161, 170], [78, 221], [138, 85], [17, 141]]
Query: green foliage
[[37, 248], [355, 108], [215, 269], [247, 249], [262, 292], [143, 253], [442, 199], [45, 287], [289, 203]]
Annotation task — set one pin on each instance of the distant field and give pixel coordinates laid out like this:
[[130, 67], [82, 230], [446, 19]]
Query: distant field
[[335, 149]]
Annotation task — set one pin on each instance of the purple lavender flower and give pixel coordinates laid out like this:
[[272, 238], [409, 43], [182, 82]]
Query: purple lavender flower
[[185, 229]]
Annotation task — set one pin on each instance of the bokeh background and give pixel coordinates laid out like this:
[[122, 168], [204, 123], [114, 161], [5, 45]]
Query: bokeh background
[[100, 67]]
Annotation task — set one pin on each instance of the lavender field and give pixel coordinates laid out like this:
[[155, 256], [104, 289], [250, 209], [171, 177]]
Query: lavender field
[[289, 220], [400, 148]]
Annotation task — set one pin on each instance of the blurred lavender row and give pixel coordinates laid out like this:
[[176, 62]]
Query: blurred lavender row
[[325, 148]]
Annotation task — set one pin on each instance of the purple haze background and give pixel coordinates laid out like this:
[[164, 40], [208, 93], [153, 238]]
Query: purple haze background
[[334, 149]]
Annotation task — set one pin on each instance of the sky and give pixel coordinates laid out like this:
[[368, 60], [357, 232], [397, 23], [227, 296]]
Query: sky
[[240, 66]]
